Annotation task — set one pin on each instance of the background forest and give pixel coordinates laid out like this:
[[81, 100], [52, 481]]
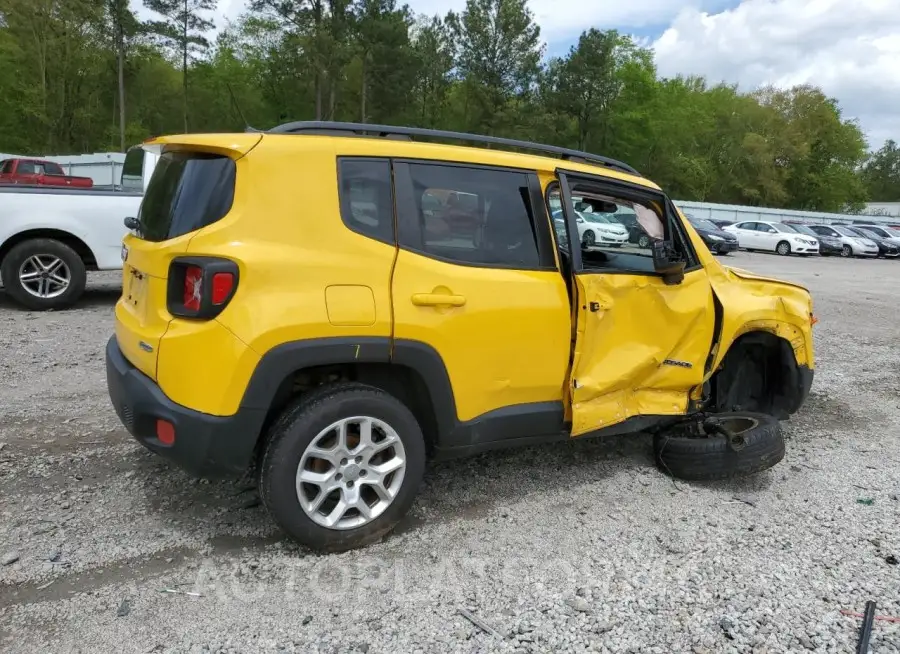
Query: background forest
[[88, 75]]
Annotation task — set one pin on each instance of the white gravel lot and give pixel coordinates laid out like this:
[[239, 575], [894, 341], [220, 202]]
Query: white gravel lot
[[575, 547]]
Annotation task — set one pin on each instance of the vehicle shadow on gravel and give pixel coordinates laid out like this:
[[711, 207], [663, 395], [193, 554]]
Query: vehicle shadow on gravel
[[228, 515], [97, 297]]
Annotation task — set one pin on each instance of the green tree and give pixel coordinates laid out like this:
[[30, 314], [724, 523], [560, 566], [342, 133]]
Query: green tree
[[124, 26], [69, 69], [824, 151], [498, 58], [183, 28], [587, 82], [385, 58], [433, 47], [881, 173]]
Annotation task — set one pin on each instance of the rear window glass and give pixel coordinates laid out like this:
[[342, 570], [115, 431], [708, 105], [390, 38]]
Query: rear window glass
[[188, 191], [50, 168], [133, 170]]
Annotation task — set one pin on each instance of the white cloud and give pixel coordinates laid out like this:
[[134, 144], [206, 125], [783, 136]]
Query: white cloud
[[562, 19], [850, 50], [559, 19]]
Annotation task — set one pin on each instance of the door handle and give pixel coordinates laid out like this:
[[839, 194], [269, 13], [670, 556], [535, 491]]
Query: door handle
[[438, 300]]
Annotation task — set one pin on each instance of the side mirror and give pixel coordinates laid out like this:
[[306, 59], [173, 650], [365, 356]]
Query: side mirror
[[668, 263]]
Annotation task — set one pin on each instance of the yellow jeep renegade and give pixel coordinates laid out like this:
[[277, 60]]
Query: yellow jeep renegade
[[329, 304]]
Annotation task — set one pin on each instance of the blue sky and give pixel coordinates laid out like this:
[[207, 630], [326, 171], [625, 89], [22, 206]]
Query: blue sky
[[852, 54]]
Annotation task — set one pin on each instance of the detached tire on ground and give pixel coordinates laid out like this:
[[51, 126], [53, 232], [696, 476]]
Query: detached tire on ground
[[711, 457], [43, 274], [342, 466]]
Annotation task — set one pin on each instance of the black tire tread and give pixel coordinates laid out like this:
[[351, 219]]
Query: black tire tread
[[709, 459], [13, 259], [310, 404]]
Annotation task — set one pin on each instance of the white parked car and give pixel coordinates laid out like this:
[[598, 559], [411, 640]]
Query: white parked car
[[772, 237], [598, 229], [852, 245], [51, 237]]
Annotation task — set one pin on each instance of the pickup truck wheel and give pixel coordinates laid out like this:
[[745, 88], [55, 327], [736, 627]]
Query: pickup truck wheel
[[43, 274], [712, 457], [342, 466]]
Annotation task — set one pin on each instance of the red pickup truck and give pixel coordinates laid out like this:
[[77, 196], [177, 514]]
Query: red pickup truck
[[39, 173]]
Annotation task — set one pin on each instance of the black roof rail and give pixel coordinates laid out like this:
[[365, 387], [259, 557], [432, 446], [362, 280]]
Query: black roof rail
[[328, 128]]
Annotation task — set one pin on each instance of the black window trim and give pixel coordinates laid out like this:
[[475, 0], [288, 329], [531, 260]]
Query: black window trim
[[342, 200], [409, 230], [565, 196], [638, 192]]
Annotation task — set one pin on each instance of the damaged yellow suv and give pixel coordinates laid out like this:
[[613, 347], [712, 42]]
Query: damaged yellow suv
[[330, 304]]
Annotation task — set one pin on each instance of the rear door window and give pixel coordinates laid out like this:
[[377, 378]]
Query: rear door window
[[188, 191], [473, 216]]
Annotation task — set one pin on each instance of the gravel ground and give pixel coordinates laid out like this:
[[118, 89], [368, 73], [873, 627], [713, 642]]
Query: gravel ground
[[575, 547]]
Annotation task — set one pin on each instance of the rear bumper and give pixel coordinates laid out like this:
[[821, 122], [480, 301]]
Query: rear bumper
[[205, 445]]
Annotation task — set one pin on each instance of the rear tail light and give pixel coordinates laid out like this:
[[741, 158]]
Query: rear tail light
[[201, 287], [222, 285], [193, 282]]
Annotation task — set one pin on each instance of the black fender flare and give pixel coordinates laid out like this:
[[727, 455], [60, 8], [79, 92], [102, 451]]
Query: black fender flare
[[284, 360], [430, 381]]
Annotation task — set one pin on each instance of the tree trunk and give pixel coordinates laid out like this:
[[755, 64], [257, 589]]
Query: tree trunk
[[332, 98], [121, 62], [184, 66], [317, 58], [318, 95], [364, 90]]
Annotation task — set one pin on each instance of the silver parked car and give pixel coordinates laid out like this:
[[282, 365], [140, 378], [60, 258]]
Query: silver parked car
[[852, 245]]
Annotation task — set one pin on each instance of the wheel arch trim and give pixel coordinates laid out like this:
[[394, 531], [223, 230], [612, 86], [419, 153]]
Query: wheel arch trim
[[533, 420]]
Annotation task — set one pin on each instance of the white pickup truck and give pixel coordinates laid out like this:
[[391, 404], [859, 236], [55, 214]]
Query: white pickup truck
[[50, 238]]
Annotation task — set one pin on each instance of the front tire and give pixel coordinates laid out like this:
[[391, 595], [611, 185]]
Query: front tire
[[707, 458], [342, 466], [589, 240], [43, 274], [846, 252], [783, 248], [644, 241]]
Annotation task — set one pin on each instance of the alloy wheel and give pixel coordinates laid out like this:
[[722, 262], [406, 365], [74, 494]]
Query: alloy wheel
[[45, 276], [351, 472]]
